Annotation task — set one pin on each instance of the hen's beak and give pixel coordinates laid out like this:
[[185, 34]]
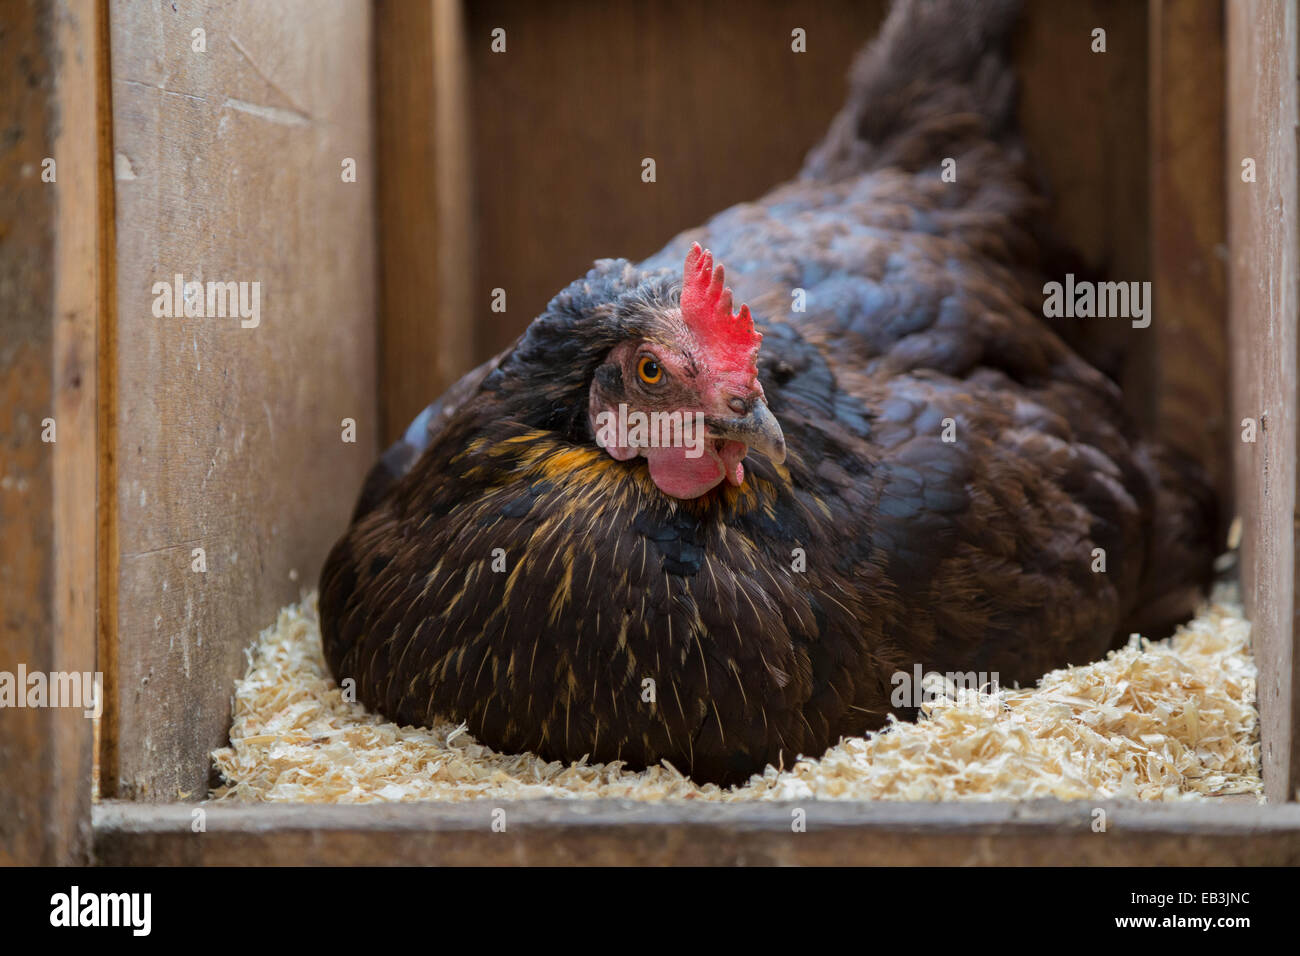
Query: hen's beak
[[759, 430]]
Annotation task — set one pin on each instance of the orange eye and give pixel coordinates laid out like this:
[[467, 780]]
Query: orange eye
[[649, 370]]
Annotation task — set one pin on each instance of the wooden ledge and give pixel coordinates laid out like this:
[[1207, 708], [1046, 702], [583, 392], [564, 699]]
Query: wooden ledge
[[612, 832]]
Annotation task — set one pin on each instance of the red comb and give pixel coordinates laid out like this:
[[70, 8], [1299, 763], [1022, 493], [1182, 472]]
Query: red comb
[[729, 339]]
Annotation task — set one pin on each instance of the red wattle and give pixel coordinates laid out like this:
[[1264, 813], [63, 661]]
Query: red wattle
[[678, 475]]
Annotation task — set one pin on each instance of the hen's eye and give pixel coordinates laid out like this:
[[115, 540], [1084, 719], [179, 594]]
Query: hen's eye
[[649, 370]]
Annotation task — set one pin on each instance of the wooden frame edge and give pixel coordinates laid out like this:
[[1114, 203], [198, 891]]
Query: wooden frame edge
[[1263, 294], [621, 832], [106, 542], [424, 206]]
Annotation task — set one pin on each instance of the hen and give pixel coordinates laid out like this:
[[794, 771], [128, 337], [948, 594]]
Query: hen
[[913, 471]]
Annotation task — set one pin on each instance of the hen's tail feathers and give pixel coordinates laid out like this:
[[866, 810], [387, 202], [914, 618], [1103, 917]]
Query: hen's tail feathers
[[936, 73]]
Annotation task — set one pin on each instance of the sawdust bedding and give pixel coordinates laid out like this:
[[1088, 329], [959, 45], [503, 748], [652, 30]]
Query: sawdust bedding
[[1166, 720]]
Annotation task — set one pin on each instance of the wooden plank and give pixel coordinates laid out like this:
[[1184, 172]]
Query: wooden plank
[[584, 92], [426, 247], [1084, 117], [1264, 243], [229, 168], [106, 347], [622, 833], [49, 283], [1189, 233]]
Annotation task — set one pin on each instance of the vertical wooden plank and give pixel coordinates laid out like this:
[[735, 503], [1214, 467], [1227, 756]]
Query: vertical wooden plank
[[231, 128], [48, 288], [1084, 117], [1189, 231], [426, 244], [1264, 244], [28, 210], [584, 92], [106, 540]]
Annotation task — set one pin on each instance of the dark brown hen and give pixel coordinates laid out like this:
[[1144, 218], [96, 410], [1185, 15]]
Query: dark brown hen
[[949, 474]]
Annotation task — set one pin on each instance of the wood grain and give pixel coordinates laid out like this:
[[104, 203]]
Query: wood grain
[[1264, 289], [1189, 233], [49, 284], [229, 168], [426, 247], [623, 833], [584, 92], [106, 540], [1084, 118]]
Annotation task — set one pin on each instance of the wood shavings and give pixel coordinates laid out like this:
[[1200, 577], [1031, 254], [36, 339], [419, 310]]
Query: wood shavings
[[1163, 720]]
